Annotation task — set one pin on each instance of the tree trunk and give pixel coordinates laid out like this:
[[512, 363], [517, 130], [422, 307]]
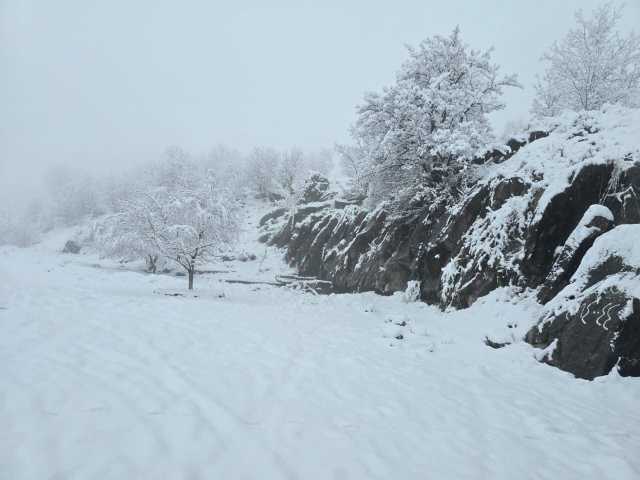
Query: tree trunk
[[152, 261], [191, 271]]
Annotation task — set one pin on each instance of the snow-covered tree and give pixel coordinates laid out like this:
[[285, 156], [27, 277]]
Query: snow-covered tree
[[593, 65], [290, 172], [183, 215], [320, 161], [184, 226], [261, 168], [354, 161], [230, 166], [73, 195], [177, 170], [120, 235], [18, 227], [434, 115], [277, 174]]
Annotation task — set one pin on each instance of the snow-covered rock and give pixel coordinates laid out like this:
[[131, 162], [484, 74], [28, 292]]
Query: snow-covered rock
[[597, 220], [527, 223], [316, 189], [71, 246], [595, 320]]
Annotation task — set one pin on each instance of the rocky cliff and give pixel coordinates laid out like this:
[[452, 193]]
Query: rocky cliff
[[531, 222]]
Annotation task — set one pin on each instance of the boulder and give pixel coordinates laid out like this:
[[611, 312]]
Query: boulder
[[593, 324], [602, 332], [316, 189], [71, 247]]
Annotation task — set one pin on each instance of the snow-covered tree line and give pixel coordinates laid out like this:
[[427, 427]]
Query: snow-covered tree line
[[71, 196], [427, 129], [276, 175]]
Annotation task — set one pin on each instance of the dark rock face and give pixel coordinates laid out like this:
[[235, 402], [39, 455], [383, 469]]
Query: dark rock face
[[458, 248], [359, 250], [623, 195], [275, 214], [477, 269], [572, 252], [594, 322], [604, 331], [71, 247], [514, 144], [506, 189], [503, 153], [560, 218], [536, 135]]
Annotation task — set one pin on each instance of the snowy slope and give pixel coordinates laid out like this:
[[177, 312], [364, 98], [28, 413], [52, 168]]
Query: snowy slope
[[104, 376], [599, 137]]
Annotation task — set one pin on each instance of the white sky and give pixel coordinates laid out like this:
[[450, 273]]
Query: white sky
[[107, 83]]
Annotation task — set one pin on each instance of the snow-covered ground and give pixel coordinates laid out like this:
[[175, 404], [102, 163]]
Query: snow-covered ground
[[105, 376]]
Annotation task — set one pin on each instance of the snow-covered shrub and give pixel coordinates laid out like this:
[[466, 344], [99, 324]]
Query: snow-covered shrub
[[412, 292]]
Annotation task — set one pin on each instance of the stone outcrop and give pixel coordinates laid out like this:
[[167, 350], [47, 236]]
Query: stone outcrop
[[530, 223], [603, 332], [596, 221], [496, 235], [316, 189], [593, 324]]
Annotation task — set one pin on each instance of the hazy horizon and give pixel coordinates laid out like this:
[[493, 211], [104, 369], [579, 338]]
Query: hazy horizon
[[106, 85]]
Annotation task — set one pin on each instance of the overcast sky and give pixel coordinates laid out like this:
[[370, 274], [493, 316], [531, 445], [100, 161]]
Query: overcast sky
[[107, 83]]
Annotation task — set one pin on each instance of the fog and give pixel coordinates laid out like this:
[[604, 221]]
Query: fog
[[106, 84]]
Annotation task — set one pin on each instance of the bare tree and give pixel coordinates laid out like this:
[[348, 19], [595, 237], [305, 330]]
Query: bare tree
[[591, 66]]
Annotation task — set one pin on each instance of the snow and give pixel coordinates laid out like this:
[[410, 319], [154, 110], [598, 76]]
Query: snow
[[105, 376], [621, 242], [584, 228], [606, 136], [488, 240], [595, 211]]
